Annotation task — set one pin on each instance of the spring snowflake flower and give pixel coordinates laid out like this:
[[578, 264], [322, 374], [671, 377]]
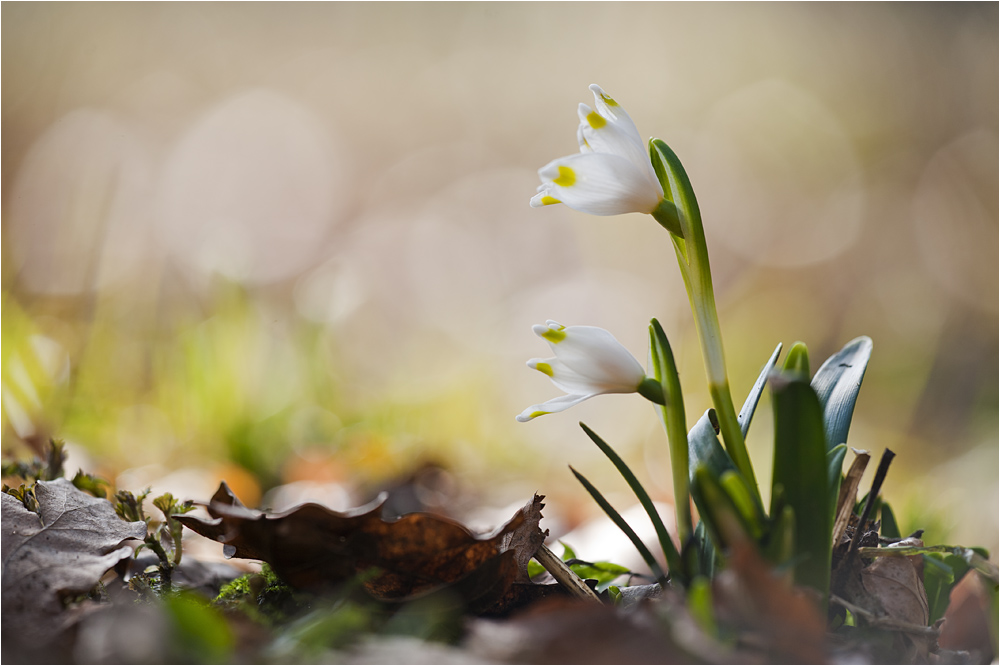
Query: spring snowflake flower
[[589, 361], [611, 175]]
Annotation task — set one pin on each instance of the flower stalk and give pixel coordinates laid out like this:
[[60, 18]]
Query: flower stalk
[[692, 257]]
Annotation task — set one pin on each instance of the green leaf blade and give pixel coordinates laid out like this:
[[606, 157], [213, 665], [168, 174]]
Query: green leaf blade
[[750, 404], [837, 383], [617, 519], [670, 551], [800, 472]]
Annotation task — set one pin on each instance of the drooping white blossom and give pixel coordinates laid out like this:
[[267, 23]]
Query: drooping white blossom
[[588, 361], [612, 173]]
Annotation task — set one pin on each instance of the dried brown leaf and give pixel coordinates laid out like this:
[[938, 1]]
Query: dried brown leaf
[[311, 547], [897, 584], [967, 620]]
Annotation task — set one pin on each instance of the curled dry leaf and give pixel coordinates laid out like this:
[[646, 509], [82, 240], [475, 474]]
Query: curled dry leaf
[[897, 584], [311, 547], [62, 550], [889, 593], [967, 624]]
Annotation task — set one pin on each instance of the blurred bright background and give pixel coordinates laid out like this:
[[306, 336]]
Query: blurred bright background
[[289, 245]]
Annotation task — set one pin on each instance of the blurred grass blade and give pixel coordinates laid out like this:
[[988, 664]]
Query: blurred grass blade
[[617, 519], [674, 422], [734, 485], [800, 468], [889, 527], [674, 561], [718, 510], [703, 549], [837, 383], [939, 578], [942, 571], [700, 605], [780, 549], [750, 404]]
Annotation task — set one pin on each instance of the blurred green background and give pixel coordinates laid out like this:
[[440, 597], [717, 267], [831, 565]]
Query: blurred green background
[[290, 245]]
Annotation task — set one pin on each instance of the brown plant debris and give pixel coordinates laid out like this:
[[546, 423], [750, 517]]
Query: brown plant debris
[[311, 547]]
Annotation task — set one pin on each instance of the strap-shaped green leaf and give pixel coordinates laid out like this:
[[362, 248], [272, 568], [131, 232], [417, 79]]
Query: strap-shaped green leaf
[[750, 404], [704, 448], [890, 528], [617, 519], [834, 475], [837, 383], [800, 470], [669, 550], [701, 550], [718, 511]]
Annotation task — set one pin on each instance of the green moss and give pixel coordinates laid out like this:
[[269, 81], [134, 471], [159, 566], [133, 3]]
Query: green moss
[[235, 589], [262, 596]]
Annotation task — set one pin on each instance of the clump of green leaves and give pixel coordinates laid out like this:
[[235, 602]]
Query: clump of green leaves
[[37, 469], [604, 573], [49, 468], [26, 495], [162, 537]]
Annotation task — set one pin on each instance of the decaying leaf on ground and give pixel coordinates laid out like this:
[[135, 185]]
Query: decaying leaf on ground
[[64, 549], [775, 618], [967, 626], [314, 548]]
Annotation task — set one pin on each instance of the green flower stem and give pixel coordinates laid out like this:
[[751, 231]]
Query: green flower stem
[[692, 257]]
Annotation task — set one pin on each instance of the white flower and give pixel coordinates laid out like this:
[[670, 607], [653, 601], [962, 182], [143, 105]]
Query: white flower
[[611, 175], [589, 361]]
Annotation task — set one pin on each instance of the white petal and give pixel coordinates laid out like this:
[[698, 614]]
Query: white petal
[[543, 198], [554, 405], [570, 381], [602, 132], [550, 325], [582, 140], [594, 355], [610, 139], [599, 184], [609, 108]]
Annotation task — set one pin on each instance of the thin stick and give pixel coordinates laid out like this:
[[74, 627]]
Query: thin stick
[[564, 574], [883, 468]]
